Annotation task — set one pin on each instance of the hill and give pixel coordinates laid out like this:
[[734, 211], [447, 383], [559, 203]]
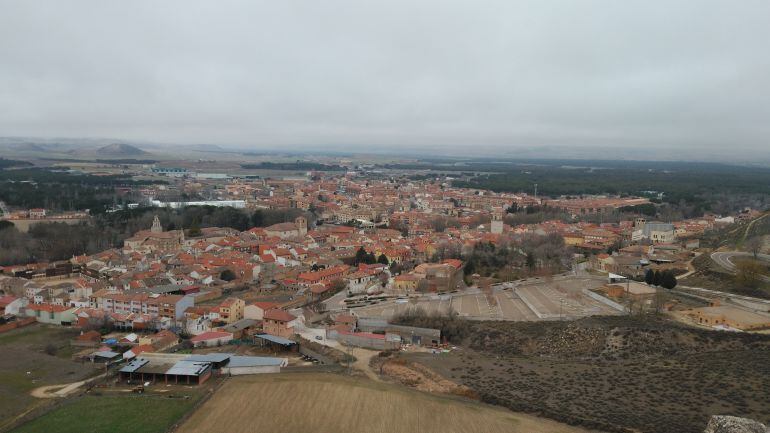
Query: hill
[[615, 374], [120, 149]]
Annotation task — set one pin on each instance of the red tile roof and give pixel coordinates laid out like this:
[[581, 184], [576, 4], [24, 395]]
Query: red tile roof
[[279, 315], [211, 335]]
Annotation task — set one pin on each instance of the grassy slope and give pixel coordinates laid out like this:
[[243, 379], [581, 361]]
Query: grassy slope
[[25, 366]]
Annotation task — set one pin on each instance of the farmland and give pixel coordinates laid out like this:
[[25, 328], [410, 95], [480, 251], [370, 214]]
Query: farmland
[[614, 373], [327, 403]]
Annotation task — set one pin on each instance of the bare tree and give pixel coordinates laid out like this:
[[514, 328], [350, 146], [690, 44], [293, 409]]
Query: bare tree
[[754, 245]]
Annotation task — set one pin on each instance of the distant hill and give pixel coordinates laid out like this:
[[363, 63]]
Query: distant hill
[[120, 149]]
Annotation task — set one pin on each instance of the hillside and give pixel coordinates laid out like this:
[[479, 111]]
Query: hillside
[[615, 374], [606, 338], [120, 149]]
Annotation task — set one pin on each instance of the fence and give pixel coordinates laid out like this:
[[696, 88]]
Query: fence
[[17, 324], [605, 301]]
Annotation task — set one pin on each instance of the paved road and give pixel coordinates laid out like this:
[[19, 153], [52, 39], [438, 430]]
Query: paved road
[[336, 302], [716, 293], [724, 259]]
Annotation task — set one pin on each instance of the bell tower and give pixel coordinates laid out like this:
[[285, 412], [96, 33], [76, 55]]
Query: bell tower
[[156, 227], [301, 223], [497, 221]]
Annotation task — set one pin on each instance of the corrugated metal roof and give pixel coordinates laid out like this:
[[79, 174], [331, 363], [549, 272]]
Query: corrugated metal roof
[[209, 357], [105, 354], [278, 340], [255, 361], [134, 365], [188, 368]]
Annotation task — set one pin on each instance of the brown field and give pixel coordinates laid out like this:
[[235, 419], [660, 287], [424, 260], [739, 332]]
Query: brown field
[[332, 403]]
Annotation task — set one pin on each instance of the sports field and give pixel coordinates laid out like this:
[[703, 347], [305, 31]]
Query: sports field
[[329, 403]]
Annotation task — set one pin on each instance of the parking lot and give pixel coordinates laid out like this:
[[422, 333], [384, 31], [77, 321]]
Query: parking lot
[[561, 297]]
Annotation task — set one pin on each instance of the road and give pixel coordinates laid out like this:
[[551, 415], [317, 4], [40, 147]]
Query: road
[[708, 293], [724, 259], [336, 301]]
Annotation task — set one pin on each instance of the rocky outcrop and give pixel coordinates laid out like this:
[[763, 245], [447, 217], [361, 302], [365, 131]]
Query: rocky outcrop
[[734, 424]]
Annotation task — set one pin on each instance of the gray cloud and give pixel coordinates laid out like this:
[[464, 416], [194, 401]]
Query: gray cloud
[[693, 76]]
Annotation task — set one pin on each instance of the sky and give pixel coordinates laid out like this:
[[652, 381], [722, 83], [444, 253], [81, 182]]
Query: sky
[[688, 78]]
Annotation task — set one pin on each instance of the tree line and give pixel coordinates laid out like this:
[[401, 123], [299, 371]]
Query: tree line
[[665, 278], [60, 241]]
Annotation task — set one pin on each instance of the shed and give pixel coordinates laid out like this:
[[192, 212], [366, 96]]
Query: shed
[[239, 365], [104, 356], [274, 341]]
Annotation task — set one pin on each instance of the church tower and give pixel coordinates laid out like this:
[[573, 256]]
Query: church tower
[[301, 223], [156, 227], [497, 221]]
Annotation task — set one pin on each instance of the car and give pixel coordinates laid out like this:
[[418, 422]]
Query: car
[[318, 337]]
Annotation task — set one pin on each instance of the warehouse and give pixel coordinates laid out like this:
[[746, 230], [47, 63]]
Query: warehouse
[[166, 370], [239, 365], [195, 369]]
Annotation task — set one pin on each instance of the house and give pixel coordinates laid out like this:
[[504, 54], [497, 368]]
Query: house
[[256, 310], [138, 350], [405, 282], [11, 305], [37, 213], [104, 356], [440, 276], [657, 232], [229, 311], [278, 322], [160, 340], [307, 279], [241, 329], [87, 339], [52, 314], [212, 338]]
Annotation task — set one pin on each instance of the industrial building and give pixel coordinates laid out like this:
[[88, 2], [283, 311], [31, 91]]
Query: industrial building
[[195, 369]]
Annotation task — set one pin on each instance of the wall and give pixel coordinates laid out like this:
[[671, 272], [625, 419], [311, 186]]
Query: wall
[[237, 371], [19, 323]]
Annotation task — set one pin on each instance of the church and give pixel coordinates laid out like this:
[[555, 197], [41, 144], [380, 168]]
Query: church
[[288, 230], [155, 239]]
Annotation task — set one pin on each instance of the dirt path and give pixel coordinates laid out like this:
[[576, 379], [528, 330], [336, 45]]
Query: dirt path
[[751, 224], [62, 390], [690, 268], [363, 357]]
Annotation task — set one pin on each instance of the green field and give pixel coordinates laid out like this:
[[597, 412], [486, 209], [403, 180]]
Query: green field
[[127, 413], [25, 365]]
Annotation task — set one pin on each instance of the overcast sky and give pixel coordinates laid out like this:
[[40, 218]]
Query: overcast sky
[[693, 76]]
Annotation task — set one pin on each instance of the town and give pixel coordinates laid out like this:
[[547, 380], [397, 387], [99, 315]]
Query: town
[[250, 216], [360, 263]]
